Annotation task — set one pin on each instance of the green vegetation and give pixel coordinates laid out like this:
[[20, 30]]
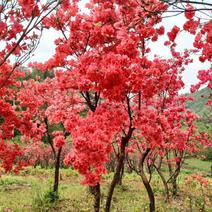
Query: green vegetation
[[204, 112], [30, 192], [200, 99], [196, 165]]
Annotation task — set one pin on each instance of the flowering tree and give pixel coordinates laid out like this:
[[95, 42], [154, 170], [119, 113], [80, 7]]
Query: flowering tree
[[43, 109], [9, 120], [167, 140], [105, 57], [21, 28]]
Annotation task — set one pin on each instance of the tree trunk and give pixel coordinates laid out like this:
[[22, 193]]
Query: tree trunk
[[117, 174], [97, 197], [57, 171], [174, 186], [173, 179], [169, 165], [164, 183], [146, 182], [121, 174], [173, 176], [121, 157]]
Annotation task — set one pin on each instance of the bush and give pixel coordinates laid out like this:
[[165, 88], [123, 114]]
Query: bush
[[51, 196]]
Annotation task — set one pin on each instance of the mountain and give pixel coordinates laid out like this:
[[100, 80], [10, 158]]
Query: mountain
[[199, 106], [204, 111]]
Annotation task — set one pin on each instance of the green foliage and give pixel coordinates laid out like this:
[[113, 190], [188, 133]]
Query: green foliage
[[36, 73], [11, 180], [1, 119], [17, 133], [16, 140], [207, 154], [204, 112], [45, 140], [199, 104], [84, 113], [37, 171], [51, 196], [52, 128], [72, 172]]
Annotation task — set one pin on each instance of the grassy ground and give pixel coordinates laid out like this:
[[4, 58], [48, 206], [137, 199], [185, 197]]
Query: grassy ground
[[195, 164], [27, 192]]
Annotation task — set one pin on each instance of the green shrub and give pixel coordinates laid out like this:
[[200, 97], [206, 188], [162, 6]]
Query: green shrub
[[51, 196]]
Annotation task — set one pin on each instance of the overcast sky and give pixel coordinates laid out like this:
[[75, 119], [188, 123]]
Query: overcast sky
[[46, 49]]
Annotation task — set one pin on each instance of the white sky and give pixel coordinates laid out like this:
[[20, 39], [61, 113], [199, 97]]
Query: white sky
[[46, 49]]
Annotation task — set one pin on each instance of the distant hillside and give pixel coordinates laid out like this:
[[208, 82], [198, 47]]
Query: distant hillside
[[198, 106]]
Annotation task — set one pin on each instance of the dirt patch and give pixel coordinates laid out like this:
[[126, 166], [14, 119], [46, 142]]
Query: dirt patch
[[14, 187]]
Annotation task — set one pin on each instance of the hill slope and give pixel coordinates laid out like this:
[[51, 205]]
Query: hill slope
[[204, 111], [198, 106]]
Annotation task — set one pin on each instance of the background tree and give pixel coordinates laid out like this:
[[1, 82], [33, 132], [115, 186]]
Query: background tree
[[43, 109], [21, 29]]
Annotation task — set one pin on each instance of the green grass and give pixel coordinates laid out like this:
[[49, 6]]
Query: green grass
[[16, 193], [197, 164], [11, 180], [28, 192]]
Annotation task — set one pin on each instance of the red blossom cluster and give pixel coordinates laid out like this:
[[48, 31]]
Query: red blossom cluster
[[92, 140], [198, 178], [9, 154]]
